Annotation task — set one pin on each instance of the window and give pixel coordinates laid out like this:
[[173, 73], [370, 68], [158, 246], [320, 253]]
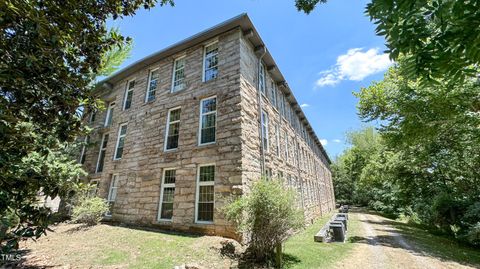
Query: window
[[261, 78], [264, 120], [122, 132], [277, 140], [112, 194], [92, 117], [286, 146], [152, 85], [205, 194], [268, 173], [210, 62], [109, 117], [167, 194], [127, 102], [280, 175], [172, 129], [101, 154], [282, 104], [178, 80], [208, 120], [273, 95], [83, 154]]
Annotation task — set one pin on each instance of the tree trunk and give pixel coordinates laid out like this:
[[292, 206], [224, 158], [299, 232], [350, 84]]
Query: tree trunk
[[278, 255]]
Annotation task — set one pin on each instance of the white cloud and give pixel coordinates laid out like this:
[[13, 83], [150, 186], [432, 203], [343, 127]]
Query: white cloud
[[324, 142], [355, 65], [304, 105], [337, 140]]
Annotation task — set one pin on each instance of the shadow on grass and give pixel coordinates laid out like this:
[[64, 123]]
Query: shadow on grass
[[161, 230], [22, 262], [247, 261], [416, 240]]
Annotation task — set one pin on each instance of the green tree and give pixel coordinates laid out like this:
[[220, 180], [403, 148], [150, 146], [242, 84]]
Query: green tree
[[434, 131], [348, 167], [52, 52], [266, 216], [438, 38]]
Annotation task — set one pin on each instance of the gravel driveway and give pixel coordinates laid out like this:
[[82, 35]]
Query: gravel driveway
[[380, 245]]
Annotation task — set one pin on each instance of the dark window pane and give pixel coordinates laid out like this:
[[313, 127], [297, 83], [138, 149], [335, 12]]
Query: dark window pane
[[207, 173], [208, 135], [175, 115], [209, 105], [105, 140], [101, 161], [167, 211], [128, 102], [170, 176], [205, 212]]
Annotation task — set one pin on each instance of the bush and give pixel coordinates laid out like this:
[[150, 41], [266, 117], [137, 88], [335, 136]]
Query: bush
[[267, 215], [90, 210]]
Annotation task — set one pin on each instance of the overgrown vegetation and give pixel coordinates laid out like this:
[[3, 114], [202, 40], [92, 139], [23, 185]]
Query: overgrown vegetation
[[52, 52], [423, 162], [88, 208], [266, 216]]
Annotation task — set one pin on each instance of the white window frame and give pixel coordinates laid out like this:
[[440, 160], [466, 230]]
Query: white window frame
[[100, 153], [172, 90], [287, 154], [201, 121], [169, 185], [274, 94], [197, 192], [205, 58], [264, 123], [148, 84], [277, 138], [118, 140], [167, 128], [111, 106], [127, 90], [84, 148], [261, 79], [114, 179]]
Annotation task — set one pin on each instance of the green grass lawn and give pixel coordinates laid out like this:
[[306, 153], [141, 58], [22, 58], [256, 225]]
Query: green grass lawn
[[105, 246], [300, 251]]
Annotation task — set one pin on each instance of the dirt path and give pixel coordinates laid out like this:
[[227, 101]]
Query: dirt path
[[379, 245]]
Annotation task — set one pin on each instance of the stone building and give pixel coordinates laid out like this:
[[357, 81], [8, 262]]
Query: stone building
[[188, 127]]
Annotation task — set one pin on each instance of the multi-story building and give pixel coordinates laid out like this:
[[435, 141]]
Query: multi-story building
[[195, 123]]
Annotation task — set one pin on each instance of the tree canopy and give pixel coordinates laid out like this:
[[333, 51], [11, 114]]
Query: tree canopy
[[423, 163], [51, 53]]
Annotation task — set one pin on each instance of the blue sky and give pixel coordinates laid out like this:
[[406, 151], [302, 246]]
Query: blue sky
[[324, 55]]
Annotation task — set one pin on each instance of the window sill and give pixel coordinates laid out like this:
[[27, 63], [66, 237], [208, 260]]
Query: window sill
[[210, 80], [177, 91], [149, 102], [164, 221], [204, 222], [207, 144], [170, 150]]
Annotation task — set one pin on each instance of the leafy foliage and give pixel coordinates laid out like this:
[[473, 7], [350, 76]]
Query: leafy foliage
[[267, 215], [90, 210], [52, 51], [425, 164]]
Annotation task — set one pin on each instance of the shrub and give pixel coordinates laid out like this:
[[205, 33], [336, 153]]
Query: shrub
[[266, 215], [90, 210]]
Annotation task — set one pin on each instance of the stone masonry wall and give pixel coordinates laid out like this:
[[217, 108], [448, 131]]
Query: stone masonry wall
[[141, 167], [236, 153], [303, 170]]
